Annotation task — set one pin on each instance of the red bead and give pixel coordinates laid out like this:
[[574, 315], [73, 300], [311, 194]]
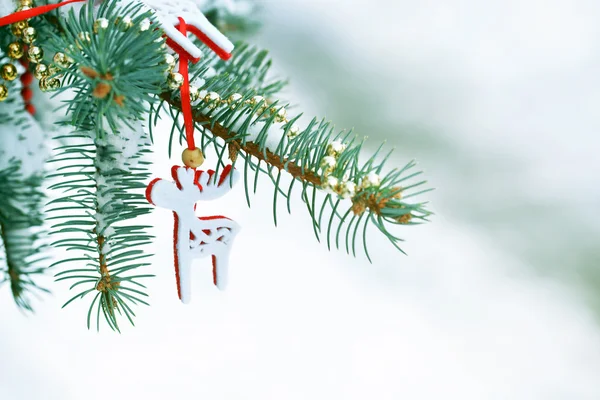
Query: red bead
[[27, 78], [24, 62], [30, 109], [27, 94]]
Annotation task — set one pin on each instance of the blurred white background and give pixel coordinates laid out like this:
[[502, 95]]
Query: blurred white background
[[499, 297]]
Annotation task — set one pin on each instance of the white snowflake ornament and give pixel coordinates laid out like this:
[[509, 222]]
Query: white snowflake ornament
[[196, 237]]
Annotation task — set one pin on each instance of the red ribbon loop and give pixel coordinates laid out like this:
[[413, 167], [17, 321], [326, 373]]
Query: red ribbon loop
[[186, 103]]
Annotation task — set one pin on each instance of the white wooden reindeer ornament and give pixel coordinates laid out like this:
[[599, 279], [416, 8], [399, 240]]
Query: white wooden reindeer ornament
[[196, 237]]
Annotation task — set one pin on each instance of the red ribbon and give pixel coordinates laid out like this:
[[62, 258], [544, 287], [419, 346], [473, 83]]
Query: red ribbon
[[33, 12], [186, 103], [184, 59]]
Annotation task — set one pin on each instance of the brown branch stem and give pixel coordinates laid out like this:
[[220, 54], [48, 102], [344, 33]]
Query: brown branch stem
[[249, 148]]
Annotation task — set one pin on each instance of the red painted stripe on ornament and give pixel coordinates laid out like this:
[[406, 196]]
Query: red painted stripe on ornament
[[197, 176], [174, 170], [175, 252], [213, 217], [224, 175], [208, 41], [178, 49], [214, 263], [149, 190]]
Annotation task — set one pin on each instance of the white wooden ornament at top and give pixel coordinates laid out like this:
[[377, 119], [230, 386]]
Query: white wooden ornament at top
[[167, 14], [196, 237]]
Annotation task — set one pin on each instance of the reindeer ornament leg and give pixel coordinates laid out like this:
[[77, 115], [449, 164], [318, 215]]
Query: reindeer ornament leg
[[196, 237]]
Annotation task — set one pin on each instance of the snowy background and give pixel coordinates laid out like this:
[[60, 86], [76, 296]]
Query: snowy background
[[499, 297]]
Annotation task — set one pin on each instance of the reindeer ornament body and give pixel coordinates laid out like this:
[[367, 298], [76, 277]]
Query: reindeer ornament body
[[196, 237]]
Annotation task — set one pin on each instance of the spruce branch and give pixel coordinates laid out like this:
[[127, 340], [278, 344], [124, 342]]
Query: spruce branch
[[248, 124], [20, 234], [103, 192], [114, 72], [237, 105], [116, 76]]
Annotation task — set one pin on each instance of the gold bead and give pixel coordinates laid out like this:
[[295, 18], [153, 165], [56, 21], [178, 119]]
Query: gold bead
[[175, 80], [372, 179], [194, 93], [9, 72], [61, 60], [35, 54], [15, 50], [29, 35], [144, 25], [346, 190], [162, 42], [280, 114], [53, 70], [3, 92], [335, 148], [84, 37], [293, 132], [330, 184], [47, 85], [27, 3], [328, 164], [253, 101], [41, 71], [100, 24], [256, 100], [192, 158], [170, 60], [124, 23], [234, 98], [18, 27], [213, 99]]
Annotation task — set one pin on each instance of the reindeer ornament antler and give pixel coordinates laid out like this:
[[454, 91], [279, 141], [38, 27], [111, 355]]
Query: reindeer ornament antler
[[196, 237]]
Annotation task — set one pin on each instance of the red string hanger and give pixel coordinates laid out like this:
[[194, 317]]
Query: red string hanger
[[192, 156], [29, 12]]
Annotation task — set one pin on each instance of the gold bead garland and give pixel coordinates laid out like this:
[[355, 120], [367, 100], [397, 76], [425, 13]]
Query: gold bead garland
[[214, 100], [344, 188], [26, 36], [48, 75]]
